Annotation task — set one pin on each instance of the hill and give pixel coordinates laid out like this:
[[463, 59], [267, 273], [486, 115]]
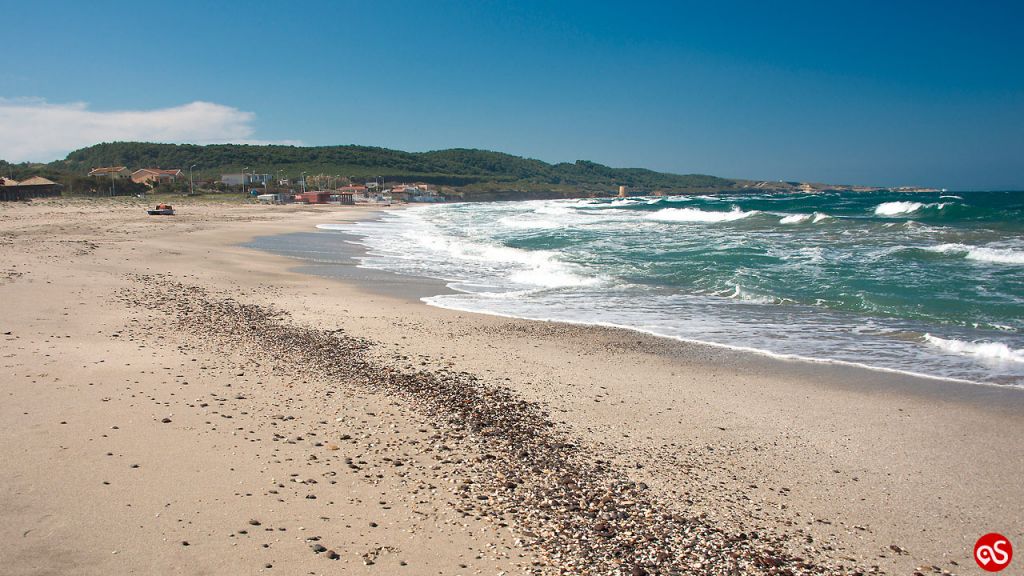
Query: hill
[[472, 174]]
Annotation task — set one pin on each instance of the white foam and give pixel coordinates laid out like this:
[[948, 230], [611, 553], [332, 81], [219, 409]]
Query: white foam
[[554, 210], [743, 295], [696, 215], [981, 253], [819, 216], [551, 275], [520, 223], [984, 350], [895, 208], [625, 202], [795, 218]]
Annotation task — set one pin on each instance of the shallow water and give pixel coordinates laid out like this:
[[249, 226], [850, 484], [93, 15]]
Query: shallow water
[[929, 284]]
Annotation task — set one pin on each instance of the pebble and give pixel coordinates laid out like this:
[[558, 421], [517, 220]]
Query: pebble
[[576, 515]]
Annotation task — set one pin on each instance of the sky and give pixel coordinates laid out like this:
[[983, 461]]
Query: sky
[[875, 93]]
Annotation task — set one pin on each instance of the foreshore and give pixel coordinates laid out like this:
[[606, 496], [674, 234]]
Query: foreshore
[[175, 402]]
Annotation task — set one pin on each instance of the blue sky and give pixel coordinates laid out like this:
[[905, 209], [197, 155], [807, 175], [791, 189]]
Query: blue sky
[[893, 93]]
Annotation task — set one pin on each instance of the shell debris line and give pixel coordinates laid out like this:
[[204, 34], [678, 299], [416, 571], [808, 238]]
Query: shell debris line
[[566, 503]]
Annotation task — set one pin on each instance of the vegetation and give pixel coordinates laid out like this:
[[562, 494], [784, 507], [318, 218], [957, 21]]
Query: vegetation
[[471, 174]]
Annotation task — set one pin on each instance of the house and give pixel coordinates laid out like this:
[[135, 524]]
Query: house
[[35, 187], [110, 171], [233, 179], [355, 190], [247, 178], [154, 176]]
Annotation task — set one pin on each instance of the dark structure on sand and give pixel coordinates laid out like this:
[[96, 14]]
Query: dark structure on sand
[[35, 187]]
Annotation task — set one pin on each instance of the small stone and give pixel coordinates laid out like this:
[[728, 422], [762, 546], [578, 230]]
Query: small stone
[[184, 543], [254, 522], [318, 548], [332, 555], [166, 420]]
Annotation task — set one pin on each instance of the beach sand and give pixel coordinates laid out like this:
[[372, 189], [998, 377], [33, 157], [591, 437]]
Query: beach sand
[[176, 403]]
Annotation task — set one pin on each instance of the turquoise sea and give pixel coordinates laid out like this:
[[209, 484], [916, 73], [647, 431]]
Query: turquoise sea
[[925, 283]]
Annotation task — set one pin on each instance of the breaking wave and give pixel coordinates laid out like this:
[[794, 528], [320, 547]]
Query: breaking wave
[[981, 253], [795, 218], [697, 215], [984, 350], [801, 218]]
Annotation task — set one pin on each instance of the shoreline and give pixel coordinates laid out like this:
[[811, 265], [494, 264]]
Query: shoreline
[[420, 289], [837, 463]]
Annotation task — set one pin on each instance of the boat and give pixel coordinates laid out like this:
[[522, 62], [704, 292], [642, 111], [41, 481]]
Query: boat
[[161, 210]]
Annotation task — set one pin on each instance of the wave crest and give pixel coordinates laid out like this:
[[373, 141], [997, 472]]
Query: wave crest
[[697, 215], [981, 253], [904, 207], [795, 218], [984, 350]]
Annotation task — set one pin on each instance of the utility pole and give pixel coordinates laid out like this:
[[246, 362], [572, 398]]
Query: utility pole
[[191, 185]]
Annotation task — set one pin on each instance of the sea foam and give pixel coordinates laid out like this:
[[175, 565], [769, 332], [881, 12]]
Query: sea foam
[[981, 253], [696, 215], [983, 350], [795, 218], [896, 208]]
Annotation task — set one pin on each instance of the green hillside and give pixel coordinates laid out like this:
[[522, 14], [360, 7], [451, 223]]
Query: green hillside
[[473, 174]]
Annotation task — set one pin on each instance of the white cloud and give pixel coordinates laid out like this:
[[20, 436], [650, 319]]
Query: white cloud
[[32, 129]]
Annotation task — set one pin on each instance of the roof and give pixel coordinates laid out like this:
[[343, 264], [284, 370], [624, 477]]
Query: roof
[[107, 170], [157, 171], [37, 181]]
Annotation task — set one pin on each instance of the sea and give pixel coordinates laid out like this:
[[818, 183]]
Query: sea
[[930, 284]]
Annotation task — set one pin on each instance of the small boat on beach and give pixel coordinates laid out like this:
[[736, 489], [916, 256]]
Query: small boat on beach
[[161, 210]]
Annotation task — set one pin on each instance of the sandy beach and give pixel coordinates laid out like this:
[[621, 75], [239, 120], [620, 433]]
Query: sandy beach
[[177, 403]]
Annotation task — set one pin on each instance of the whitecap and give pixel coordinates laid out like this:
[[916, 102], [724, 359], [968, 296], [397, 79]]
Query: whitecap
[[983, 350], [981, 253], [554, 210], [795, 218], [697, 215], [624, 202], [896, 208], [518, 223], [893, 208]]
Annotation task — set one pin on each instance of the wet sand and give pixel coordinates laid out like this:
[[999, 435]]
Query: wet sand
[[165, 385]]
